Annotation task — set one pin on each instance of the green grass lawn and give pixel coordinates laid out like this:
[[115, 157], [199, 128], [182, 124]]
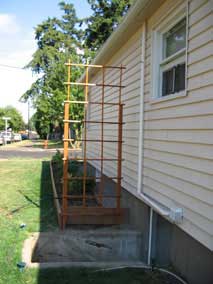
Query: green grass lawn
[[26, 197]]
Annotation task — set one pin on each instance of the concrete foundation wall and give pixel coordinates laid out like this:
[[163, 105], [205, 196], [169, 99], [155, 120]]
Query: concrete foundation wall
[[138, 218], [191, 258], [170, 245]]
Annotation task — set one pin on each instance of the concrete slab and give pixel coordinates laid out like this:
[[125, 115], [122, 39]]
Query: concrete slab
[[105, 247]]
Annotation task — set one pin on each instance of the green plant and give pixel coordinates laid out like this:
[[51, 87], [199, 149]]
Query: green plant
[[76, 170], [74, 167], [57, 161], [58, 157]]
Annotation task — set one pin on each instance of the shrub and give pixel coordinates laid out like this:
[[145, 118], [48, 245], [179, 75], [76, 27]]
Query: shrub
[[58, 157], [76, 186], [75, 169]]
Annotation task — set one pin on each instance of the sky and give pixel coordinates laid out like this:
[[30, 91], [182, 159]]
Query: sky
[[18, 18]]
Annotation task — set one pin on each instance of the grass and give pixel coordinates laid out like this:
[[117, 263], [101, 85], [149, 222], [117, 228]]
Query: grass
[[20, 202], [26, 197]]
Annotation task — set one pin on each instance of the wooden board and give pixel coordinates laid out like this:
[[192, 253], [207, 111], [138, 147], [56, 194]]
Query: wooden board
[[96, 216]]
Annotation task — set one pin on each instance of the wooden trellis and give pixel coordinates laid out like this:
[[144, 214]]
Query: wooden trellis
[[85, 210]]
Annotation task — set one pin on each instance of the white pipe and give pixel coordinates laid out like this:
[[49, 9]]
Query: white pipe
[[141, 119], [150, 237], [147, 200], [187, 44], [144, 267], [140, 193]]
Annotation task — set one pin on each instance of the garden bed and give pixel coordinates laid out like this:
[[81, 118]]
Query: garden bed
[[92, 213], [75, 187]]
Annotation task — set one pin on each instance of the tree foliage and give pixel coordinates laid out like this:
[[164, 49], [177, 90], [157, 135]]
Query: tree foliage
[[107, 14], [16, 122], [60, 39]]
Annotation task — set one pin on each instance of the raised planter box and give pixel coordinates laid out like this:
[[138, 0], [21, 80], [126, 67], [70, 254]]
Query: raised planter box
[[89, 215]]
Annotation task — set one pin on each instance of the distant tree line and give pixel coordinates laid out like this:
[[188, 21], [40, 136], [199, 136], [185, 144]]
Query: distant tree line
[[60, 39], [16, 122]]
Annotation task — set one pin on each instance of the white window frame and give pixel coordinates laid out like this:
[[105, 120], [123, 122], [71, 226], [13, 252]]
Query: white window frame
[[157, 55]]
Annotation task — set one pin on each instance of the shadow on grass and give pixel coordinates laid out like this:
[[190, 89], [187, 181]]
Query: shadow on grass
[[86, 276], [48, 219]]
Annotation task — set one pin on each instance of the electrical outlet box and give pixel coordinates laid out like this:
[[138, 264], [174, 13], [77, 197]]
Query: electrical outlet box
[[176, 215]]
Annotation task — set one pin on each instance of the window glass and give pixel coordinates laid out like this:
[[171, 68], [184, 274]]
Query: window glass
[[168, 82], [179, 78], [175, 39], [173, 80]]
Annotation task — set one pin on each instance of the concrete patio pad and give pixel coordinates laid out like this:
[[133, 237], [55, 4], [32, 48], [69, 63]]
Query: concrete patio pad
[[105, 247]]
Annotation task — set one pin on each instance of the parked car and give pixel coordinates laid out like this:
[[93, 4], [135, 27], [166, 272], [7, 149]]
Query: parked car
[[1, 140], [17, 137], [7, 136], [24, 136]]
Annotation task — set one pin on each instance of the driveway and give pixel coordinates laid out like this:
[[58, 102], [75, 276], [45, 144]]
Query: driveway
[[20, 152], [24, 150], [27, 149]]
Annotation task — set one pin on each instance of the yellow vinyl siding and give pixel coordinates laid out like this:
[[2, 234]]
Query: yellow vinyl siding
[[178, 134], [129, 56]]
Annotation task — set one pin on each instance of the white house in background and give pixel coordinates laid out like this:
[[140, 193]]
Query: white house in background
[[167, 47]]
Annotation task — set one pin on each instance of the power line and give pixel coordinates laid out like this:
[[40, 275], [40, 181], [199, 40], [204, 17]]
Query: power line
[[10, 66]]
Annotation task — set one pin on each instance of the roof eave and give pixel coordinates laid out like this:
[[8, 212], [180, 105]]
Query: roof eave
[[133, 20]]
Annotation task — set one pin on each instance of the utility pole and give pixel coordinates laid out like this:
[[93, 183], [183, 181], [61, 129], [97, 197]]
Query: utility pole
[[6, 118]]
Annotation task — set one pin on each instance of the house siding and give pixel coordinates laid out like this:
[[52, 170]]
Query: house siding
[[129, 56], [177, 148]]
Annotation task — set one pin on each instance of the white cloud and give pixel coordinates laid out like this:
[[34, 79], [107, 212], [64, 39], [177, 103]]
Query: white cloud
[[14, 83], [8, 24], [15, 51]]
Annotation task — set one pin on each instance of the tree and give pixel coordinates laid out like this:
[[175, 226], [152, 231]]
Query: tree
[[16, 122], [58, 40], [107, 14]]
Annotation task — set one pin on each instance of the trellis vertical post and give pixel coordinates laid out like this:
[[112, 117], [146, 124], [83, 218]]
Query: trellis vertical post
[[119, 163], [85, 135], [66, 152]]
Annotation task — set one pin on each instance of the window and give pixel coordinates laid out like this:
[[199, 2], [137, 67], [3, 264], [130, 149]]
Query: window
[[174, 43], [169, 59]]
